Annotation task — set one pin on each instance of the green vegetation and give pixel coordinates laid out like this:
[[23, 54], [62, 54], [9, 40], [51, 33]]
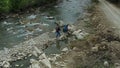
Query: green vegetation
[[13, 5], [114, 1], [95, 1], [4, 5]]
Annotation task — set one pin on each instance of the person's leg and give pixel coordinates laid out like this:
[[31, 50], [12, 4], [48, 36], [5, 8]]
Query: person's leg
[[58, 34]]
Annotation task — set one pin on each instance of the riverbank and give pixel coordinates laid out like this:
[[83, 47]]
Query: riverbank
[[23, 8], [13, 5], [98, 50]]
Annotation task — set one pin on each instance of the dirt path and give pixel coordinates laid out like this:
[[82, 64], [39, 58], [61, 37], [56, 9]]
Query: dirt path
[[112, 13]]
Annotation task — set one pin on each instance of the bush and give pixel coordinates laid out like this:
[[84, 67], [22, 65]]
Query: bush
[[21, 4], [8, 5], [95, 1], [5, 5], [114, 1]]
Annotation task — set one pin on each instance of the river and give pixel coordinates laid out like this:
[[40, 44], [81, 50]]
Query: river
[[13, 32]]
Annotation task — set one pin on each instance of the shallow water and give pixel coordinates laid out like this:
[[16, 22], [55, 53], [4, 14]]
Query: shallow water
[[13, 33], [56, 48]]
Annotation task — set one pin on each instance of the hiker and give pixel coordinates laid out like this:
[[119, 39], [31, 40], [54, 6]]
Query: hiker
[[65, 28], [57, 31]]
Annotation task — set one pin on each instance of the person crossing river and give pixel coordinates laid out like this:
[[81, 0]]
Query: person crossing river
[[58, 31]]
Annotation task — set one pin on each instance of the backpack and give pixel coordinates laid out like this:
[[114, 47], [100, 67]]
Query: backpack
[[65, 28]]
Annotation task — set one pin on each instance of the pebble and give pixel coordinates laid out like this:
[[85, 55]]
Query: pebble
[[94, 49], [106, 64], [64, 49], [17, 65]]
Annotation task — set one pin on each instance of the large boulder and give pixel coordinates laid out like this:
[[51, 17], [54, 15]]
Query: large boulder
[[6, 64], [79, 34], [71, 28], [44, 60], [34, 63], [65, 49], [117, 65]]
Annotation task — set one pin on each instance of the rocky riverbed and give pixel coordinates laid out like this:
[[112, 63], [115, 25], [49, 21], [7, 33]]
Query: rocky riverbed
[[34, 47], [38, 26]]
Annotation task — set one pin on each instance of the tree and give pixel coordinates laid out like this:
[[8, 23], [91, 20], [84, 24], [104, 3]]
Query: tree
[[5, 5], [114, 1]]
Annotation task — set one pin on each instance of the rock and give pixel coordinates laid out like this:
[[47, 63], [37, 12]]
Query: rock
[[32, 16], [64, 49], [30, 42], [29, 55], [35, 53], [21, 54], [8, 29], [66, 60], [17, 65], [106, 64], [58, 56], [54, 57], [71, 28], [34, 64], [6, 50], [50, 17], [19, 58], [56, 63], [21, 65], [86, 19], [62, 64], [94, 49], [56, 6], [61, 23], [103, 46], [25, 57], [78, 34], [62, 37], [45, 24], [6, 23], [37, 50], [45, 60], [114, 27], [21, 50], [6, 64], [76, 49], [117, 65]]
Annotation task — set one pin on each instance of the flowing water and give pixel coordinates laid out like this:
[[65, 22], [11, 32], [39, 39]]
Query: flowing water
[[36, 23]]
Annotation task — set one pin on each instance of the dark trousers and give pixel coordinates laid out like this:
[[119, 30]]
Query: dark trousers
[[58, 34]]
